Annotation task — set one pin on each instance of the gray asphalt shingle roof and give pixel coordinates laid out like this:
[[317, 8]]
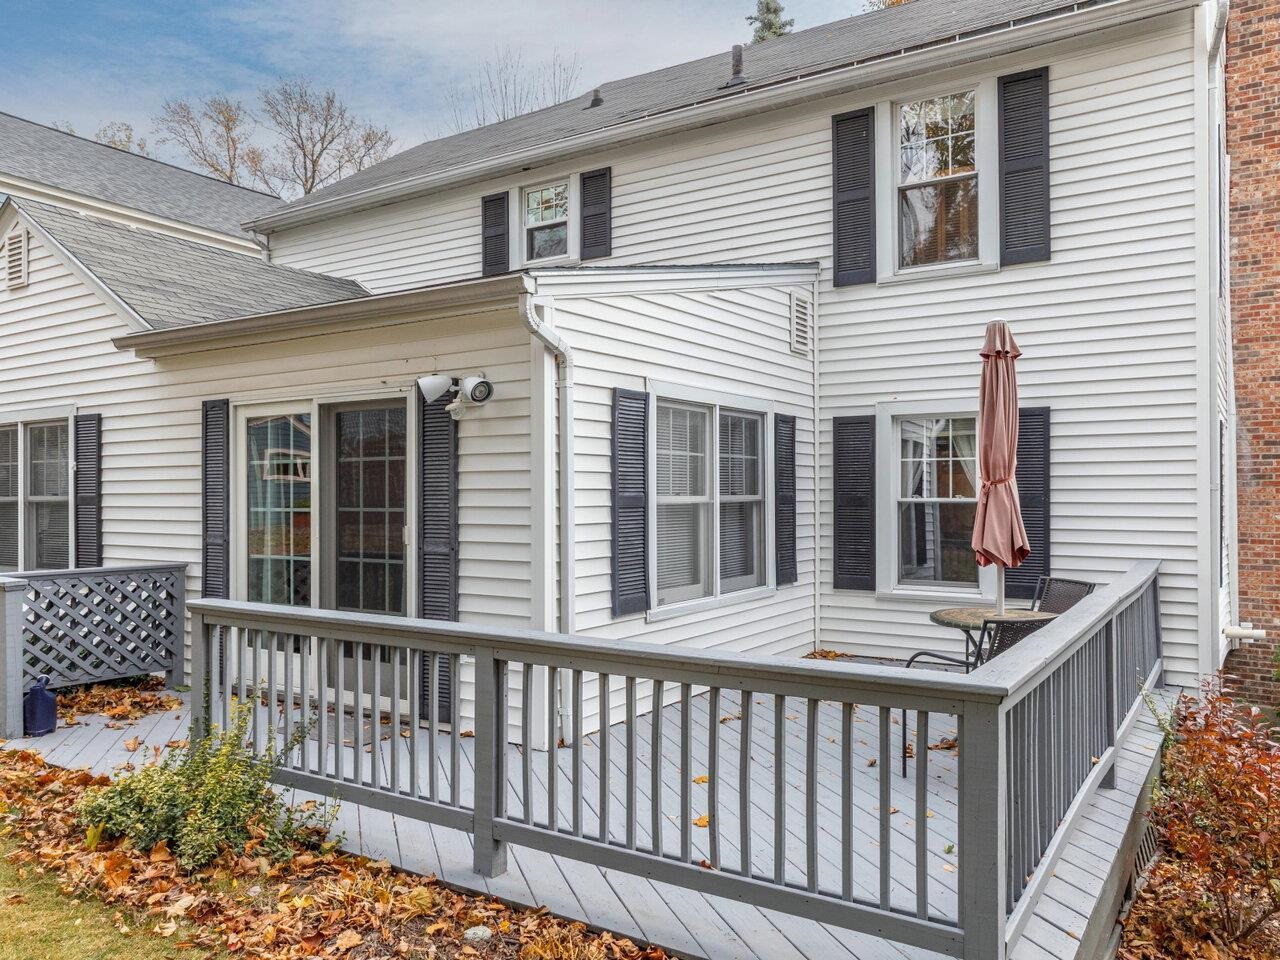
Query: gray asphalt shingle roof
[[67, 162], [171, 282], [853, 40]]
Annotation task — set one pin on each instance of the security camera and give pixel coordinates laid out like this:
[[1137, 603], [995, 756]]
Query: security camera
[[454, 408], [436, 385], [475, 389]]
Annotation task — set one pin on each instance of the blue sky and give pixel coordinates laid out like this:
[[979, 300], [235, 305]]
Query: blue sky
[[89, 62]]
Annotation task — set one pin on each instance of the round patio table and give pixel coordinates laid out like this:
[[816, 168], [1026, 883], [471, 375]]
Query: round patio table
[[969, 620]]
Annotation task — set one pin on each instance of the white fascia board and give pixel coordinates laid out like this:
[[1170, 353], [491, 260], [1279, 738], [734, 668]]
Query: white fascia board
[[31, 190], [1071, 21], [597, 282]]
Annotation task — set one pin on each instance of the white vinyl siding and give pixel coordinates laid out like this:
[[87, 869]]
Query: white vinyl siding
[[58, 346], [1108, 326]]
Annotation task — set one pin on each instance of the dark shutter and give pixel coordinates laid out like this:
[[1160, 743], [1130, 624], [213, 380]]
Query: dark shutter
[[853, 182], [597, 214], [854, 477], [1024, 167], [1033, 492], [88, 490], [784, 496], [495, 231], [216, 501], [630, 502], [438, 532]]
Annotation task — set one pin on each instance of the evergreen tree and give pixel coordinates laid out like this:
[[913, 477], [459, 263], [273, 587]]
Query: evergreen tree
[[768, 21]]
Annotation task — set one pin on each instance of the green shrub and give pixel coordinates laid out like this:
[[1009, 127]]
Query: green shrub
[[210, 796]]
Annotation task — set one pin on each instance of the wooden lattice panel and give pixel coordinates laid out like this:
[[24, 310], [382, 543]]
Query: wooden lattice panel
[[84, 627]]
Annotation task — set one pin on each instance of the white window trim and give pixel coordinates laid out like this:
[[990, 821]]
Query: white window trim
[[34, 416], [315, 405], [987, 153], [887, 447], [519, 236], [682, 393]]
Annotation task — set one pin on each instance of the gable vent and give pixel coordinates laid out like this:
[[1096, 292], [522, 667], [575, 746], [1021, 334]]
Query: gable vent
[[15, 259], [801, 324]]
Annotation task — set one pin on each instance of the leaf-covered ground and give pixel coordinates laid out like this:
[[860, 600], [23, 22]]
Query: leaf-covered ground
[[120, 703], [325, 904]]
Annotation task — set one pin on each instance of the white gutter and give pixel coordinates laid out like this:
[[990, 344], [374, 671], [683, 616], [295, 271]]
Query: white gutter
[[530, 314], [1071, 20], [1219, 29]]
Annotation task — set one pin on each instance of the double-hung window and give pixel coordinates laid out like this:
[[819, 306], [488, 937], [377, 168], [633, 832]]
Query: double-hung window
[[35, 482], [937, 166], [711, 486], [936, 500], [545, 213]]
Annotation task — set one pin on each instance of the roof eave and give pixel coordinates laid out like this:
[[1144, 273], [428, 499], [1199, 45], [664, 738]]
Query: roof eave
[[466, 296], [1070, 20]]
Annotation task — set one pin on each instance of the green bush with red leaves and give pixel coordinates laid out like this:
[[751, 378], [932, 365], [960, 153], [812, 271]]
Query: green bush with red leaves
[[1217, 811]]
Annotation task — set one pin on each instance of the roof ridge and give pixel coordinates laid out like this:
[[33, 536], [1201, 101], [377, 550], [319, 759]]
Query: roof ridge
[[142, 156]]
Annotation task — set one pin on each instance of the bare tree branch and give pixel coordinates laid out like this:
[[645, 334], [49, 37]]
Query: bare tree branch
[[214, 134], [506, 86], [119, 134]]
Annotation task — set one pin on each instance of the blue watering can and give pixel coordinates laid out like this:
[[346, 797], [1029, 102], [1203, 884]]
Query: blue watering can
[[39, 710]]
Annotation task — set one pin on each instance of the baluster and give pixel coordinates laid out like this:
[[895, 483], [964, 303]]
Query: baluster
[[501, 712], [340, 711], [304, 712], [394, 709], [713, 776], [686, 773], [255, 697], [433, 725], [526, 741], [414, 692], [846, 800], [922, 814], [632, 785], [269, 715], [744, 781], [553, 746], [291, 756], [323, 652], [375, 715], [779, 789], [576, 753], [358, 713], [604, 735], [811, 796], [455, 724], [655, 769], [886, 760]]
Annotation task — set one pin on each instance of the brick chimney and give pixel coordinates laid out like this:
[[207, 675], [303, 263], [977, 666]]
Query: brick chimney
[[1253, 141]]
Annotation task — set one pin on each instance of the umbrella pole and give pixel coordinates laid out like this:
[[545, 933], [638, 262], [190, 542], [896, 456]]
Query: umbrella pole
[[999, 589]]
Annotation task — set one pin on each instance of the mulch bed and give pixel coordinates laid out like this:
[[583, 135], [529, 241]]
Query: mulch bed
[[318, 904]]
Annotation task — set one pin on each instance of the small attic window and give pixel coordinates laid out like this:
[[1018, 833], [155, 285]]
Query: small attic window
[[15, 259], [801, 324]]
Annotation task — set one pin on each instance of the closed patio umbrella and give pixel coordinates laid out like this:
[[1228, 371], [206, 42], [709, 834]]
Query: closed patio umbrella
[[998, 534]]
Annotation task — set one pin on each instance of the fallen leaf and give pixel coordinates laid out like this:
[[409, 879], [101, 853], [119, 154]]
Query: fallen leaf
[[702, 821], [346, 940], [132, 744], [702, 779]]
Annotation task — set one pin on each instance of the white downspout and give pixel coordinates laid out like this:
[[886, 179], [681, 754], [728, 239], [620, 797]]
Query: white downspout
[[532, 314]]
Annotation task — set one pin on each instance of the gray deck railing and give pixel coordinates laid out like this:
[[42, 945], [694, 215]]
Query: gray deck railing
[[317, 668], [88, 625]]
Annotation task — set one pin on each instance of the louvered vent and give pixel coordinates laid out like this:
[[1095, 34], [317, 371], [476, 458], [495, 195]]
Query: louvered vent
[[801, 324], [15, 259]]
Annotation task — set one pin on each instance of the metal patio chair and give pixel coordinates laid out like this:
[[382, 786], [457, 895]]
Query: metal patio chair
[[998, 635], [1058, 594]]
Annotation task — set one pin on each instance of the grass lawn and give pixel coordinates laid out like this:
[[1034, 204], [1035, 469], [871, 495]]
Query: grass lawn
[[36, 921]]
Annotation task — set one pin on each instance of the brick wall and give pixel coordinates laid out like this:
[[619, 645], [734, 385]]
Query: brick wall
[[1253, 141]]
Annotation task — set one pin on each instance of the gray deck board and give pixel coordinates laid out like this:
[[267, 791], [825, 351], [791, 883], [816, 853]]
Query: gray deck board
[[692, 924]]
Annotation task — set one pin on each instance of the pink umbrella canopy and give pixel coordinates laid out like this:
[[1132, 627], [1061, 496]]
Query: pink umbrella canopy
[[998, 534]]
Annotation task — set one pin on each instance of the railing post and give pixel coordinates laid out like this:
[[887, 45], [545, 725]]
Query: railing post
[[490, 854], [177, 673], [201, 688], [984, 805], [12, 596]]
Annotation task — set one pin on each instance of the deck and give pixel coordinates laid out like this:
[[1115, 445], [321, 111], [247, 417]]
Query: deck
[[688, 923]]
